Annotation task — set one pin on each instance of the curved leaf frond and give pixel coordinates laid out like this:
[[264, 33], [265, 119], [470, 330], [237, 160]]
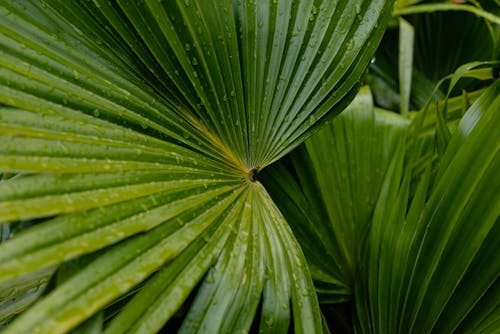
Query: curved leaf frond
[[135, 130]]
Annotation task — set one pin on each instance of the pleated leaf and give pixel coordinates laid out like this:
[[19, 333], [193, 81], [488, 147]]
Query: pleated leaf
[[135, 130], [330, 197]]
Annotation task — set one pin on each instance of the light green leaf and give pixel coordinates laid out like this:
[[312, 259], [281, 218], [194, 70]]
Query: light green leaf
[[406, 38], [429, 8]]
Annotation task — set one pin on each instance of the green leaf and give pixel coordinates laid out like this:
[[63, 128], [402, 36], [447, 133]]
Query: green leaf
[[136, 130], [432, 270], [429, 8], [444, 41], [330, 195], [203, 63], [406, 38]]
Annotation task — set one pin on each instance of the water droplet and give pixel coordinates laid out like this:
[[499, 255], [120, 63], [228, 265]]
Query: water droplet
[[96, 113], [76, 74], [358, 9], [64, 148], [194, 61], [210, 277], [187, 47]]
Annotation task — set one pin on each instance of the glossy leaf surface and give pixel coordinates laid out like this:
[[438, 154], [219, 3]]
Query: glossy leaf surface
[[136, 130]]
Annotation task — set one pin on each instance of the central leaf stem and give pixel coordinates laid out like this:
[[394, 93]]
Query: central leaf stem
[[252, 174]]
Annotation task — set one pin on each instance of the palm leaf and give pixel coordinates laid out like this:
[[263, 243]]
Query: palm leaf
[[330, 197], [410, 233], [444, 41], [137, 129]]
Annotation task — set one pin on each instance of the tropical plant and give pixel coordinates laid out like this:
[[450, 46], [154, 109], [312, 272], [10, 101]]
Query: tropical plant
[[385, 197], [148, 181]]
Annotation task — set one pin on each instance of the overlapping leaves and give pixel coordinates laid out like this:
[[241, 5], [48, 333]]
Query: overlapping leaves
[[135, 130], [430, 262], [417, 240], [331, 199]]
